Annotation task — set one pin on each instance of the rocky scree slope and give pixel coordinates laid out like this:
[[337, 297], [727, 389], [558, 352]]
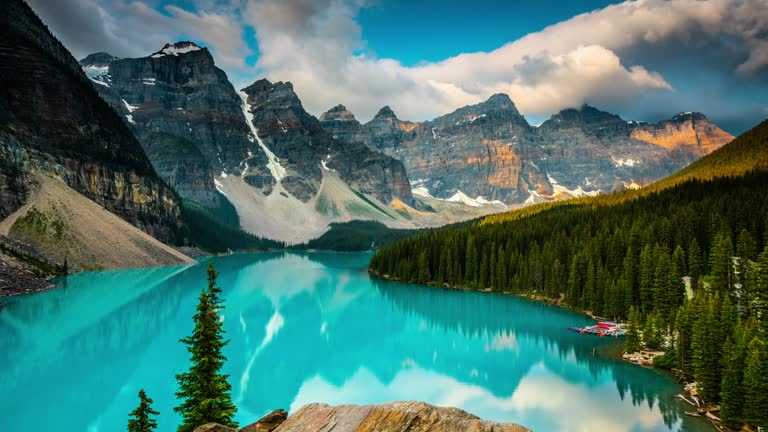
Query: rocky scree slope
[[490, 150], [53, 122]]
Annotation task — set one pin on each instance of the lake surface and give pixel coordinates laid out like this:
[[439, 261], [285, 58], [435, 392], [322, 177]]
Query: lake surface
[[314, 327]]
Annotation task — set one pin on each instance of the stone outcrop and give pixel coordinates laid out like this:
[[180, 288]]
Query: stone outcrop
[[303, 148], [52, 121], [490, 150], [268, 423], [390, 417]]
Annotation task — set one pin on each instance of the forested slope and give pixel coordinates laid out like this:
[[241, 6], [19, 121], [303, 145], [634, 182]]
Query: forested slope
[[631, 254]]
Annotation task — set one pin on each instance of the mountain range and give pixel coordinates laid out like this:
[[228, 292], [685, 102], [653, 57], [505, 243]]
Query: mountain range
[[490, 151]]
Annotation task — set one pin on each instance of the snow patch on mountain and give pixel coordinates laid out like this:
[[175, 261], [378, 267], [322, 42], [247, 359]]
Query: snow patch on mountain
[[629, 162], [273, 164], [129, 107], [176, 49], [578, 192], [99, 82], [95, 71]]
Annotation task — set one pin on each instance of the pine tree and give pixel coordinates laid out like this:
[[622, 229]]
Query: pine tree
[[633, 331], [756, 385], [694, 261], [706, 349], [141, 419], [204, 390], [745, 246], [684, 328], [721, 262], [732, 392], [470, 275]]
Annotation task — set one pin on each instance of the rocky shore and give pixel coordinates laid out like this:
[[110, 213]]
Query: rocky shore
[[15, 279], [390, 417]]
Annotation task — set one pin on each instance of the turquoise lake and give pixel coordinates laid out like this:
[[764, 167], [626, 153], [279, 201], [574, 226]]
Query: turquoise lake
[[313, 327]]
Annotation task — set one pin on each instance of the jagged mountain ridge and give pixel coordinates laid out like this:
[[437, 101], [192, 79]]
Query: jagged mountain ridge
[[204, 137], [52, 122], [490, 150]]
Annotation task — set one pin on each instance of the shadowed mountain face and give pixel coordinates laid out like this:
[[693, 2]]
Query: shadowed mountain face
[[184, 111], [53, 122], [490, 150]]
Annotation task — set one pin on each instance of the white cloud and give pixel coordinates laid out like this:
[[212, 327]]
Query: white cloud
[[318, 47], [128, 28], [637, 56]]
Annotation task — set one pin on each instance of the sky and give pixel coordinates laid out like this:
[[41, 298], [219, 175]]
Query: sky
[[642, 59]]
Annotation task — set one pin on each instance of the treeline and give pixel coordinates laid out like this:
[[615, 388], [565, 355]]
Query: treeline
[[684, 262], [355, 236], [218, 229]]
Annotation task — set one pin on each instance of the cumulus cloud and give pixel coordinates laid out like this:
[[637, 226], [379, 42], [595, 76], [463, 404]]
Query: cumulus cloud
[[706, 55], [134, 28], [317, 46]]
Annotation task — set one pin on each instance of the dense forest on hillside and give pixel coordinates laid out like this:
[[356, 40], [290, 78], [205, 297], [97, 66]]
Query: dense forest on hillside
[[681, 259], [218, 229], [356, 235]]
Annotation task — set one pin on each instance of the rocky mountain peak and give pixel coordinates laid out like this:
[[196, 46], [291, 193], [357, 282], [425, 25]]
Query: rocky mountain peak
[[385, 113], [688, 116], [337, 113], [279, 95], [98, 59], [177, 48], [500, 101]]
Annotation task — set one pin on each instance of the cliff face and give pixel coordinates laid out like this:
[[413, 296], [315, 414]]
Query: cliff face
[[490, 150], [183, 110], [690, 132], [301, 148], [53, 122]]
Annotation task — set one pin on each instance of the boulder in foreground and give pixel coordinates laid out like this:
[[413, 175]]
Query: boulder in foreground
[[389, 417]]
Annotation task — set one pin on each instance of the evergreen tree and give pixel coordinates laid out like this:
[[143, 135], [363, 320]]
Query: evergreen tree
[[633, 331], [470, 274], [142, 418], [204, 390], [706, 351], [732, 392], [214, 292], [694, 261], [756, 385], [684, 327], [745, 246], [721, 262]]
